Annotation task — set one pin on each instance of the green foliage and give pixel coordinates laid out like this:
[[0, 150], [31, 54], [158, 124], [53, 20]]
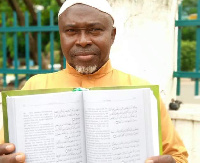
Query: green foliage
[[189, 7], [47, 47], [56, 51], [4, 7], [1, 62], [57, 57], [48, 5], [20, 47], [189, 33], [188, 53]]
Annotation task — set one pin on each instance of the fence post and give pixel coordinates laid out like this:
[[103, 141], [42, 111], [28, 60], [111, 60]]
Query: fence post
[[16, 63], [39, 41], [4, 50], [27, 47], [13, 31], [52, 41], [178, 89], [197, 51]]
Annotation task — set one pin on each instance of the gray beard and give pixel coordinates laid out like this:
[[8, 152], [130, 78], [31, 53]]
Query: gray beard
[[86, 70]]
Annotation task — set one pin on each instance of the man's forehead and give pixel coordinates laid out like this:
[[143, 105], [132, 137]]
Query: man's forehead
[[101, 5]]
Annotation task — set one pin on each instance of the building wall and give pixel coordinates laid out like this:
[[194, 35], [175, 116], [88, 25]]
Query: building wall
[[146, 41], [187, 123]]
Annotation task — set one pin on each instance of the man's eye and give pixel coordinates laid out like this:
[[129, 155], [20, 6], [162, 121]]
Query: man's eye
[[71, 31], [95, 30]]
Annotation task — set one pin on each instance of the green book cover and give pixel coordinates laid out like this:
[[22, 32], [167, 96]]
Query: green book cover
[[154, 88]]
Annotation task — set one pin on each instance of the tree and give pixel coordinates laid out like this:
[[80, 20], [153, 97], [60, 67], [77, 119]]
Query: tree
[[20, 6], [59, 2], [20, 16]]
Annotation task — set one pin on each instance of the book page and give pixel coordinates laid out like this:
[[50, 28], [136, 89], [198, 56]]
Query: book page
[[152, 128], [49, 127], [115, 125]]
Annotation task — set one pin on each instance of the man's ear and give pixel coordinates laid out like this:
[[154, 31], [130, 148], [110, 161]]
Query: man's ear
[[113, 34]]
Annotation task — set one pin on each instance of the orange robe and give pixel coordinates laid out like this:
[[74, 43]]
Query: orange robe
[[109, 77]]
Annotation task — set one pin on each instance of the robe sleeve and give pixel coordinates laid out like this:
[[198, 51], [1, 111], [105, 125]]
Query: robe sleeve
[[1, 136], [171, 142]]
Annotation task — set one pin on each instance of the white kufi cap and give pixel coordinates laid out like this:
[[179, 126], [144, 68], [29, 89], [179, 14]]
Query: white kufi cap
[[101, 5]]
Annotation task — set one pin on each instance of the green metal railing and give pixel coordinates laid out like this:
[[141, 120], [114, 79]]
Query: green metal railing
[[51, 29], [196, 74]]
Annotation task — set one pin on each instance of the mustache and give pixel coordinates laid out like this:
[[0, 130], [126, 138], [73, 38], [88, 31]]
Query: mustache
[[85, 51]]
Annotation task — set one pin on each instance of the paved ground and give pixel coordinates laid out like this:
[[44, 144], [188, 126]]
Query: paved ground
[[187, 92]]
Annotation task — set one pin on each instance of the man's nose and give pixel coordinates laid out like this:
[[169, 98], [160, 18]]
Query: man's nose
[[83, 39]]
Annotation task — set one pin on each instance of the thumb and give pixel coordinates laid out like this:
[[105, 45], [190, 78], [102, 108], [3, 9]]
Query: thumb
[[161, 159]]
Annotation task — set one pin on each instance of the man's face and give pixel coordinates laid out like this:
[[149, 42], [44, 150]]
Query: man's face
[[86, 36]]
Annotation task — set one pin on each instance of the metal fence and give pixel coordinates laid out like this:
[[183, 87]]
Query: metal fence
[[195, 74], [14, 30], [51, 29]]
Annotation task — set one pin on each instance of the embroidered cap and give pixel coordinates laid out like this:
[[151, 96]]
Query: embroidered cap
[[101, 5]]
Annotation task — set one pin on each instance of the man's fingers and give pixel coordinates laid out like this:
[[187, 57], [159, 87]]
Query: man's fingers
[[20, 157], [6, 156], [13, 158], [6, 148], [161, 159]]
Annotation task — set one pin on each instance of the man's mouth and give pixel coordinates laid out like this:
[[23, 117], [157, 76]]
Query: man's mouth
[[84, 56]]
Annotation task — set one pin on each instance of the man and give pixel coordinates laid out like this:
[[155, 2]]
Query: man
[[86, 35]]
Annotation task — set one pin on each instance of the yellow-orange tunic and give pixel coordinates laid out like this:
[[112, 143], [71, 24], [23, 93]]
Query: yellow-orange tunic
[[107, 76]]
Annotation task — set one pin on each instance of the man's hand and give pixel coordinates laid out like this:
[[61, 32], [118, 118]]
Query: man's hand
[[161, 159], [6, 156]]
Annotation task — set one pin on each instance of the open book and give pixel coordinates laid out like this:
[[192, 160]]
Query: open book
[[112, 125]]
